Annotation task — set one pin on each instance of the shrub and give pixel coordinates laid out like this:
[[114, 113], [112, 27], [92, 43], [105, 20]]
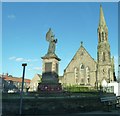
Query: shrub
[[79, 89]]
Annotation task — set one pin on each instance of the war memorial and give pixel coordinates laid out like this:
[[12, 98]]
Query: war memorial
[[50, 67], [52, 99]]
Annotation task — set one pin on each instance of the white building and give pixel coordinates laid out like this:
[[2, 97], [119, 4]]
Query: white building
[[115, 86], [34, 82]]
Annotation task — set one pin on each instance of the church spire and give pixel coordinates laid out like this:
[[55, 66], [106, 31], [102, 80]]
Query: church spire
[[102, 19], [104, 61], [102, 28]]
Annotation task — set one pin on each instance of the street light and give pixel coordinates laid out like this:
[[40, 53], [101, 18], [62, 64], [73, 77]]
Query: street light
[[21, 93], [97, 76]]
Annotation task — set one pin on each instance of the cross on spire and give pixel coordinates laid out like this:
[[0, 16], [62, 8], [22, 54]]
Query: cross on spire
[[81, 43]]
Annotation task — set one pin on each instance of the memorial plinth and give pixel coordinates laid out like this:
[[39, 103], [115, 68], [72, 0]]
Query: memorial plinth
[[50, 67]]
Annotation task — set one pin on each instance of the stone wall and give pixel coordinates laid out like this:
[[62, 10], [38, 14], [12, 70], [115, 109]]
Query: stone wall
[[51, 103]]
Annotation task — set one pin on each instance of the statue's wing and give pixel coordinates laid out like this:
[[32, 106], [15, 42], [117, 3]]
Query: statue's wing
[[49, 35]]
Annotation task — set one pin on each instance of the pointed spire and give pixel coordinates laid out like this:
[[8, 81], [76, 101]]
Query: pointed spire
[[102, 19]]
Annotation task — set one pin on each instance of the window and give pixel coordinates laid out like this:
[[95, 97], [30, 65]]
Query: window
[[103, 56], [82, 53], [75, 71], [76, 80], [103, 71], [102, 36], [106, 36], [88, 80], [82, 74], [87, 71], [87, 68], [82, 81], [76, 74], [81, 67], [88, 75], [99, 35]]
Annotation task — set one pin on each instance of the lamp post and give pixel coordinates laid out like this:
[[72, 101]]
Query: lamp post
[[97, 77], [21, 92]]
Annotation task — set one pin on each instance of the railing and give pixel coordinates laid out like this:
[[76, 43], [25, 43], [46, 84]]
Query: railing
[[109, 101], [118, 102]]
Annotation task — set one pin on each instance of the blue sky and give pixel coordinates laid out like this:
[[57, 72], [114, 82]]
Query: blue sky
[[24, 26]]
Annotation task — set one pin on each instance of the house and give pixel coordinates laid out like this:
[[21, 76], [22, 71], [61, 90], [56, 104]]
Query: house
[[13, 83]]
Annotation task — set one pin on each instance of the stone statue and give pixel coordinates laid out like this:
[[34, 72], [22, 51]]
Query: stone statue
[[52, 41]]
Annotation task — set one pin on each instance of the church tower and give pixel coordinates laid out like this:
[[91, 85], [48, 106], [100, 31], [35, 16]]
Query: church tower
[[105, 63]]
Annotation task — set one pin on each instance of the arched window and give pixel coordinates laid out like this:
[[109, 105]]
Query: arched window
[[88, 80], [99, 36], [76, 72], [88, 75], [103, 56], [81, 67], [106, 36], [82, 74], [76, 80], [87, 71], [102, 36], [82, 81], [76, 75], [103, 71]]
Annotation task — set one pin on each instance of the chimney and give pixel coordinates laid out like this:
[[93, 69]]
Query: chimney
[[7, 74]]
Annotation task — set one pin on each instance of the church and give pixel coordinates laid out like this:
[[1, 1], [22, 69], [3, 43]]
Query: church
[[84, 70]]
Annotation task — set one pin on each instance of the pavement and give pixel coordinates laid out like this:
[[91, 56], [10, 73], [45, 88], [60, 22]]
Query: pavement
[[94, 113]]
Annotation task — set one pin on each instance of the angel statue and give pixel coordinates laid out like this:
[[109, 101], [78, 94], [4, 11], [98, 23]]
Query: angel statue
[[52, 41]]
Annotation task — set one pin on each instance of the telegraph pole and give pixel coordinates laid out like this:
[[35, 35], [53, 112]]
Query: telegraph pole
[[21, 92]]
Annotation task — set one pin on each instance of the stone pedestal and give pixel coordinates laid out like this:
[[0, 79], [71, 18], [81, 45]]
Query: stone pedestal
[[50, 81]]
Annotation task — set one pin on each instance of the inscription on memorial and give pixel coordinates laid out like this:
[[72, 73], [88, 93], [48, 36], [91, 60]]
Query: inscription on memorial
[[48, 67]]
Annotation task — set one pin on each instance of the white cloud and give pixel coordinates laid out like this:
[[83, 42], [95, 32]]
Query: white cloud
[[11, 16], [37, 68], [20, 59], [23, 60], [34, 69], [27, 60]]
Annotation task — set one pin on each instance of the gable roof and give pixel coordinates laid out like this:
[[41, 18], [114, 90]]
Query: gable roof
[[36, 77], [81, 47], [15, 79]]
